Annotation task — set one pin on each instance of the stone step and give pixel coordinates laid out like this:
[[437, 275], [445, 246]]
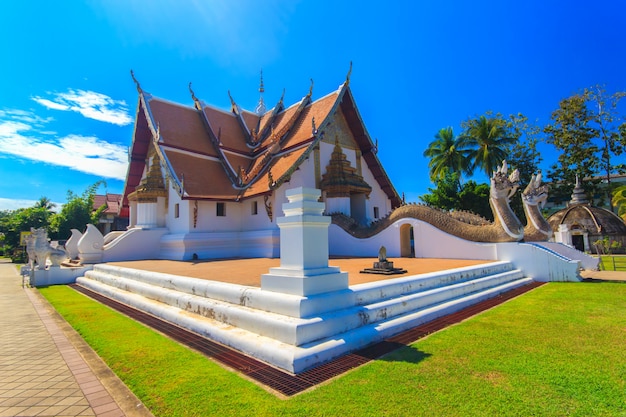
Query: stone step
[[292, 330], [289, 356]]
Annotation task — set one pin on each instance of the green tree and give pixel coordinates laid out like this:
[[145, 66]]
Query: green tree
[[605, 108], [45, 202], [590, 133], [445, 195], [447, 153], [523, 154], [474, 197], [489, 138], [572, 132], [619, 201], [450, 194], [76, 213], [22, 220]]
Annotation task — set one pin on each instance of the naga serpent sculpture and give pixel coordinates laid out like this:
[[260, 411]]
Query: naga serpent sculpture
[[534, 198], [505, 228]]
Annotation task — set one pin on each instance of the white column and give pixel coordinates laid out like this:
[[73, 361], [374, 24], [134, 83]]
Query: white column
[[147, 215], [304, 266]]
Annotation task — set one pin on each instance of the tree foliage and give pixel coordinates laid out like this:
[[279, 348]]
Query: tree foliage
[[13, 222], [76, 213], [450, 194], [619, 201], [489, 138], [586, 130], [447, 153]]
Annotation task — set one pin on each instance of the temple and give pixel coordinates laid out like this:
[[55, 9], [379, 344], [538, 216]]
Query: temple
[[214, 177], [297, 183]]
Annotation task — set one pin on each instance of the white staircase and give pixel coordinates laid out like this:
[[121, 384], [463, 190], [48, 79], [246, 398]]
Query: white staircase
[[297, 333]]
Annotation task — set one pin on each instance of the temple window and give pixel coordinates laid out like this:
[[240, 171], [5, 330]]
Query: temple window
[[221, 210], [255, 208], [376, 214], [176, 210]]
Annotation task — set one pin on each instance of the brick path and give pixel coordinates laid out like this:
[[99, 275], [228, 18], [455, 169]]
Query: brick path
[[42, 372]]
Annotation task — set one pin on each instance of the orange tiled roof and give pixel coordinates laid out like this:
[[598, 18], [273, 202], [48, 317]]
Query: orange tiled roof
[[112, 201], [230, 155]]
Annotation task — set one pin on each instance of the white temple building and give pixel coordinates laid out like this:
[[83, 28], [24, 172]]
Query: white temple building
[[212, 179]]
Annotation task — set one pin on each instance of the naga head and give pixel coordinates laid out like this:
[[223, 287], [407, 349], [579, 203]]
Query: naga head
[[535, 193], [503, 185]]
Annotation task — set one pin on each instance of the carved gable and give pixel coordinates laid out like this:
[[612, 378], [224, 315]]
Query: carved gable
[[338, 130]]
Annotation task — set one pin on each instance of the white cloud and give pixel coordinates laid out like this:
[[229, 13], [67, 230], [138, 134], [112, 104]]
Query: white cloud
[[14, 204], [24, 116], [86, 154], [90, 104]]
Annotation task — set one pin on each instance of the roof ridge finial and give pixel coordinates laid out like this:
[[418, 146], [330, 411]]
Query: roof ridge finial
[[233, 105], [194, 98], [132, 74], [348, 75], [260, 107], [311, 88]]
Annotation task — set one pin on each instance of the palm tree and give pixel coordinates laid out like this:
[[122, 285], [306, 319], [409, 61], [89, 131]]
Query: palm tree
[[447, 153], [619, 201], [45, 202], [489, 139]]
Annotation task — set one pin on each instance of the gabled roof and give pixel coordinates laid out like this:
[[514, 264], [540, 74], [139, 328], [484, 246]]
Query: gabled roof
[[111, 201], [213, 154]]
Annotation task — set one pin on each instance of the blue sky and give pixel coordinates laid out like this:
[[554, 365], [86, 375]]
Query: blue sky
[[67, 101]]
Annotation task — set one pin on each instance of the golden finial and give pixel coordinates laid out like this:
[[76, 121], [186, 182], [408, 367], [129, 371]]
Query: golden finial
[[261, 88], [348, 75], [282, 97], [232, 101], [139, 90], [194, 98], [311, 88]]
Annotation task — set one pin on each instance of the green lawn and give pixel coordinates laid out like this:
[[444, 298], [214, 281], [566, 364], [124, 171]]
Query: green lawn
[[559, 350], [613, 263]]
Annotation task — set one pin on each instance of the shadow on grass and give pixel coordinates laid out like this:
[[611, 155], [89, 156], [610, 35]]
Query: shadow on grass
[[389, 351]]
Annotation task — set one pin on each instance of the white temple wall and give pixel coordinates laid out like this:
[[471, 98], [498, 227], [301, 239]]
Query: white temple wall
[[304, 176], [161, 211], [208, 220], [338, 205], [252, 221], [179, 213], [429, 242], [378, 198]]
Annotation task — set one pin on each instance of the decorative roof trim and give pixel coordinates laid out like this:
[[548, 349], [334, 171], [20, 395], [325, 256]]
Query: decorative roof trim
[[364, 142]]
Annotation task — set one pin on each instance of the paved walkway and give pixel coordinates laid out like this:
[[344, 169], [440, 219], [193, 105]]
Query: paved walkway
[[45, 367]]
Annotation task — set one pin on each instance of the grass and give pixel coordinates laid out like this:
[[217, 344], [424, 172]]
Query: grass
[[556, 351], [613, 263]]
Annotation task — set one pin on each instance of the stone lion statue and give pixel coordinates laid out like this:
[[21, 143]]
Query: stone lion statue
[[39, 250]]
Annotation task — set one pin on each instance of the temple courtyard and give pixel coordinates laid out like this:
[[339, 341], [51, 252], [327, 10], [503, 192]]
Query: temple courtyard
[[249, 271]]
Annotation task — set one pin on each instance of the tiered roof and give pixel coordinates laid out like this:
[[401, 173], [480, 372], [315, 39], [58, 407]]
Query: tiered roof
[[213, 154]]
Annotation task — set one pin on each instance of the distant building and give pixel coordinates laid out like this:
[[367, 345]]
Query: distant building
[[588, 224], [110, 219], [601, 200]]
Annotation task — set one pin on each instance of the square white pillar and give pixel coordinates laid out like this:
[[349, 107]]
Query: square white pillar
[[304, 266]]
